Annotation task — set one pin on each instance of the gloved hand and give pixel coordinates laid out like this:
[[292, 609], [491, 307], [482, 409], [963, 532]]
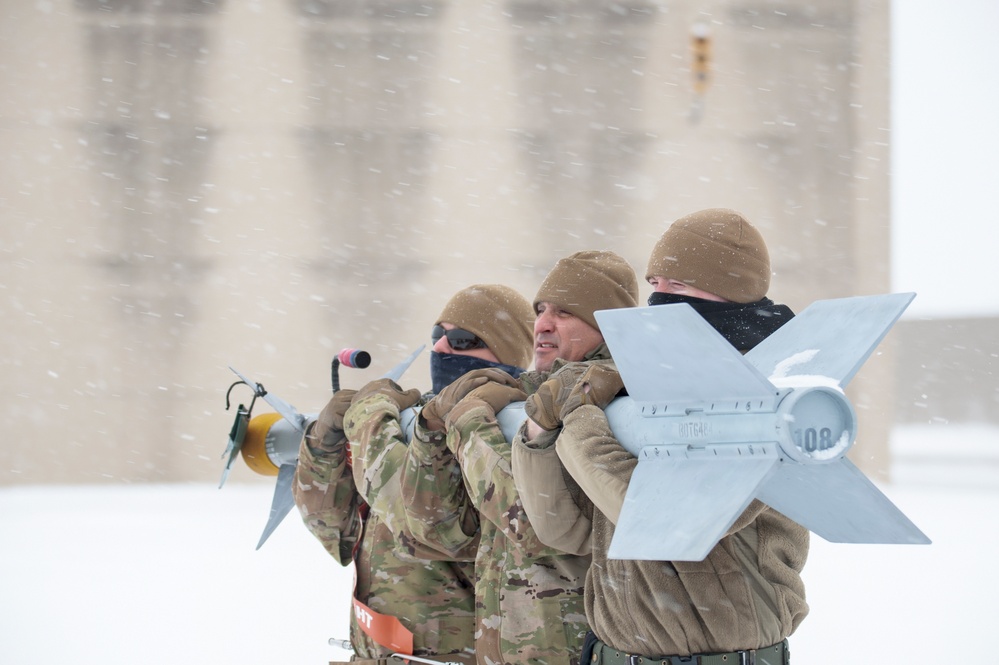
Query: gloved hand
[[327, 432], [496, 395], [390, 389], [598, 386], [433, 413], [544, 406], [569, 388]]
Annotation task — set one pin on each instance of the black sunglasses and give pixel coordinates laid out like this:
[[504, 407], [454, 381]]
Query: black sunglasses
[[460, 340]]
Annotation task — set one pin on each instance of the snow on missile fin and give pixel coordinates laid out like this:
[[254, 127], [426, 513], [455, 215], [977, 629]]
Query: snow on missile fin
[[785, 377], [840, 333], [784, 367]]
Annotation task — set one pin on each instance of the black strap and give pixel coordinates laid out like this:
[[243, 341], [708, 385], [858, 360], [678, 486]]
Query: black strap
[[586, 655]]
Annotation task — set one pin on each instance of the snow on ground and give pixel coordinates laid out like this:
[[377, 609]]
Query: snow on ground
[[167, 574]]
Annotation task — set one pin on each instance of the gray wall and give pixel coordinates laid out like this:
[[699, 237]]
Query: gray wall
[[191, 185]]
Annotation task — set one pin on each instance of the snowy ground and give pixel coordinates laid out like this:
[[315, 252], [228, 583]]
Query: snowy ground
[[168, 574]]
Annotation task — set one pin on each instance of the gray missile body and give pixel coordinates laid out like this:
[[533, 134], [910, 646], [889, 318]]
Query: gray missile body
[[713, 429]]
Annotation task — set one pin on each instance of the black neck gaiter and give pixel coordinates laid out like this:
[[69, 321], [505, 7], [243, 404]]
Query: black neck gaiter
[[744, 325], [446, 367]]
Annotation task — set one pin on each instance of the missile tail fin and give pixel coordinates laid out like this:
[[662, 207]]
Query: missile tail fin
[[705, 490], [282, 502], [829, 338], [670, 355], [838, 503]]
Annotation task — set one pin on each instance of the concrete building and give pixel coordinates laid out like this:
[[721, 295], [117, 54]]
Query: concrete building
[[190, 185]]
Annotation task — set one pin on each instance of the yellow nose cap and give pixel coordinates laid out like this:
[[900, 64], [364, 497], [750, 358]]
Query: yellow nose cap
[[254, 448]]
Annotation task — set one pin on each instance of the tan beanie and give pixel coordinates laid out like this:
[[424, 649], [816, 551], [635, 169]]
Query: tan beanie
[[716, 250], [586, 282], [499, 316]]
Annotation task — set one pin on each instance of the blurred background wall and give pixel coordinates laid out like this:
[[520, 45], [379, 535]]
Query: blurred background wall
[[187, 185]]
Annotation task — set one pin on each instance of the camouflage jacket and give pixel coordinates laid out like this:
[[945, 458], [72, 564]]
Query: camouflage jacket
[[528, 596], [431, 594], [746, 594], [326, 497]]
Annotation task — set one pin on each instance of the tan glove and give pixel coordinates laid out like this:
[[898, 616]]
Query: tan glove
[[598, 386], [390, 389], [544, 405], [433, 413], [568, 389], [496, 395], [327, 432]]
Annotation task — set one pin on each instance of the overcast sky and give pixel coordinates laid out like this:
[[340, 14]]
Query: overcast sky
[[945, 156]]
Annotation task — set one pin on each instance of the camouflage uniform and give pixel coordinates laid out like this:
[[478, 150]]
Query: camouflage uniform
[[528, 597], [432, 599], [327, 499], [431, 594]]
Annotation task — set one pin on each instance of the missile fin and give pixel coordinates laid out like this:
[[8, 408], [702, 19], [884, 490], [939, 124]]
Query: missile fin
[[289, 412], [282, 502], [682, 499], [670, 356], [396, 372], [838, 503], [829, 338]]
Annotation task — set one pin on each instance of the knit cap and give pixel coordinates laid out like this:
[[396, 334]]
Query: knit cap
[[716, 250], [588, 281], [499, 316]]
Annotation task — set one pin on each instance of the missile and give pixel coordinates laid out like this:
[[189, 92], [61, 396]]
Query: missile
[[713, 429], [269, 442]]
